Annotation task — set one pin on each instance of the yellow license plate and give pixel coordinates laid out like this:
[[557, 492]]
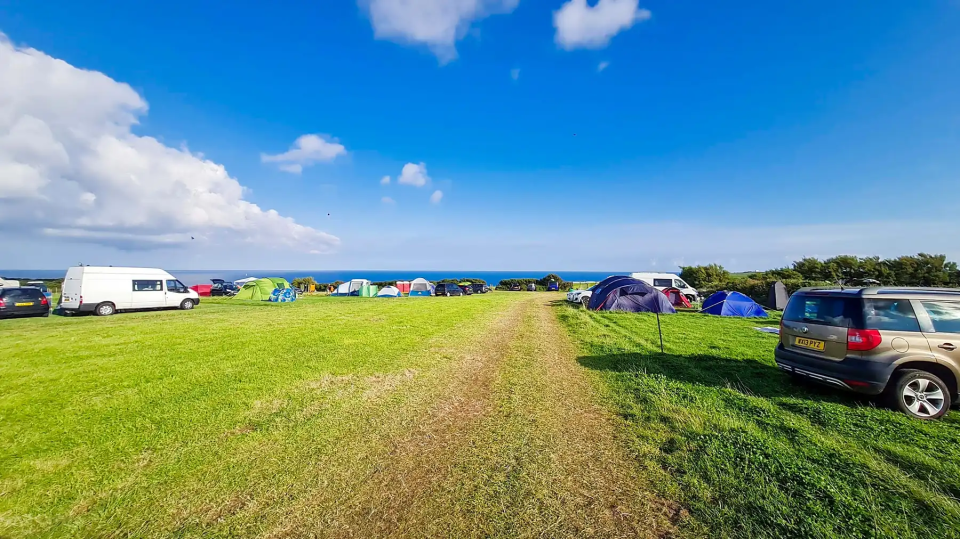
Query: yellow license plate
[[812, 344], [24, 304]]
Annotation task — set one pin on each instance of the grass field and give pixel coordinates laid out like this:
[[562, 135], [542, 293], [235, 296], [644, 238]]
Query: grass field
[[750, 453], [501, 415]]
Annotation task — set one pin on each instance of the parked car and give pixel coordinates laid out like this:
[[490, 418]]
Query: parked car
[[43, 288], [660, 281], [223, 288], [25, 301], [900, 343], [448, 289], [531, 287], [553, 286], [480, 288], [106, 290], [515, 288], [467, 289], [581, 296]]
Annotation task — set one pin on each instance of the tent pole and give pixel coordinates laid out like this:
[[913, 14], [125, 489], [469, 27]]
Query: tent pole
[[660, 331]]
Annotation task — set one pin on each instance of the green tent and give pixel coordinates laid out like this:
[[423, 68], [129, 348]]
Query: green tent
[[258, 290], [369, 291], [279, 282]]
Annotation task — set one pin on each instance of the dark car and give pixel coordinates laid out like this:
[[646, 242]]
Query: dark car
[[448, 289], [515, 288], [223, 288], [479, 288], [467, 289], [26, 301]]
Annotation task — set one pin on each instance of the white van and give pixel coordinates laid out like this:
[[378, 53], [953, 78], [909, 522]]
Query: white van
[[668, 280], [104, 291]]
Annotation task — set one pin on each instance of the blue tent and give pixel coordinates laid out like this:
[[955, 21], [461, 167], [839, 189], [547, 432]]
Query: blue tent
[[630, 295], [725, 303]]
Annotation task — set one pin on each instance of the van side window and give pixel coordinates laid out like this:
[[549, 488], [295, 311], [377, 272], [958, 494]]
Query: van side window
[[945, 315], [147, 286], [663, 282], [176, 286], [890, 315], [679, 284]]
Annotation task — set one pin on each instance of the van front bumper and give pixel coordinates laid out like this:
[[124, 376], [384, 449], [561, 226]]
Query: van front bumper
[[852, 374]]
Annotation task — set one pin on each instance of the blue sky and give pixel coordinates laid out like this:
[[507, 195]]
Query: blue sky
[[749, 133]]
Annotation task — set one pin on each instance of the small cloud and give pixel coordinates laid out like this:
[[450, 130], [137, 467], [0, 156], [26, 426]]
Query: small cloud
[[579, 25], [436, 197], [602, 66], [389, 201], [413, 174], [515, 74], [306, 150], [385, 180]]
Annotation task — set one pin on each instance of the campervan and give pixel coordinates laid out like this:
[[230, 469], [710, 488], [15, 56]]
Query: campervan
[[7, 283], [106, 290], [661, 281]]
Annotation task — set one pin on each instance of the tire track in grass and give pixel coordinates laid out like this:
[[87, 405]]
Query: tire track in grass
[[544, 463], [410, 464]]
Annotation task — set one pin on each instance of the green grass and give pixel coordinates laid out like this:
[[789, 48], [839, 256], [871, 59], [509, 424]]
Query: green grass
[[751, 453], [189, 423]]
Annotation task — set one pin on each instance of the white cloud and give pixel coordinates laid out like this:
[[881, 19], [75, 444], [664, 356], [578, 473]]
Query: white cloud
[[388, 200], [515, 74], [580, 26], [436, 197], [385, 180], [413, 174], [436, 24], [71, 168], [602, 66], [306, 150]]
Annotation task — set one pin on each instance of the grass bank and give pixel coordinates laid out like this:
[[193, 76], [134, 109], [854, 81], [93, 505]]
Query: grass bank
[[716, 426]]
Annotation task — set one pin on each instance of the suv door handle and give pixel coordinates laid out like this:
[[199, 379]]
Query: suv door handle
[[948, 347]]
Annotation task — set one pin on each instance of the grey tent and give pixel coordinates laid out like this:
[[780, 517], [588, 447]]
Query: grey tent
[[778, 296]]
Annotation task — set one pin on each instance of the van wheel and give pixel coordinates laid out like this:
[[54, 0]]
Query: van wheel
[[105, 309], [186, 304], [919, 394]]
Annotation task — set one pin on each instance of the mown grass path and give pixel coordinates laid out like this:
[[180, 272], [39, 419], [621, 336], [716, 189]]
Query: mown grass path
[[329, 417]]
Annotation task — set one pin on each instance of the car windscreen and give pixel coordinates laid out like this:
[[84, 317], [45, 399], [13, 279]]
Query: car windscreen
[[826, 310]]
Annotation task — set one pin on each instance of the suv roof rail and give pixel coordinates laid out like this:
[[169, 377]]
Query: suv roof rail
[[871, 290]]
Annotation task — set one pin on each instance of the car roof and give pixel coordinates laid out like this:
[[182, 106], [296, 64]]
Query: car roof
[[916, 292]]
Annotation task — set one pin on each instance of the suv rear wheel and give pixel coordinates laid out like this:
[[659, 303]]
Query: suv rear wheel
[[919, 394]]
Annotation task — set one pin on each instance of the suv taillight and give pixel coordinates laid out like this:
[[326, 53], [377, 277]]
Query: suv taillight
[[43, 301], [2, 304], [861, 340]]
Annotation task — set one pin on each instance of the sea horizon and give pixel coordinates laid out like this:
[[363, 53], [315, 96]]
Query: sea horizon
[[193, 277]]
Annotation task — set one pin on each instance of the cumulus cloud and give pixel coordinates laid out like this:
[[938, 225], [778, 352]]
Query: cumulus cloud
[[306, 150], [71, 168], [579, 25], [602, 65], [436, 197], [515, 74], [436, 24], [388, 200], [385, 180], [413, 174]]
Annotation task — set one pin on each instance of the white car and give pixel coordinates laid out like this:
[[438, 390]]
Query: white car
[[580, 296], [106, 290]]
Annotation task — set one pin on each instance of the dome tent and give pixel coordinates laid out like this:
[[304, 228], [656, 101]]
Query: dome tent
[[257, 290], [389, 292], [351, 287], [676, 297], [630, 295], [724, 303], [421, 287], [280, 282]]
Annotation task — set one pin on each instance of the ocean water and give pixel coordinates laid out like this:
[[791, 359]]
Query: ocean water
[[192, 277]]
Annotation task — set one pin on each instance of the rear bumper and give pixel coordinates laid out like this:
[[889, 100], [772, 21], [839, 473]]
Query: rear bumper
[[852, 374]]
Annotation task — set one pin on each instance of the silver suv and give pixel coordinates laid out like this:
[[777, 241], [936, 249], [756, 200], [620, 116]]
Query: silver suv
[[901, 343]]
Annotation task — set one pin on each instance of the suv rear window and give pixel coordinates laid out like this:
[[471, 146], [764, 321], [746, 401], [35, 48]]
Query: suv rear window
[[826, 310], [890, 315]]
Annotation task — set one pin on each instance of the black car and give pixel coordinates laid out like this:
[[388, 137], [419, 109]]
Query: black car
[[479, 288], [26, 301], [223, 288], [448, 289], [515, 288]]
